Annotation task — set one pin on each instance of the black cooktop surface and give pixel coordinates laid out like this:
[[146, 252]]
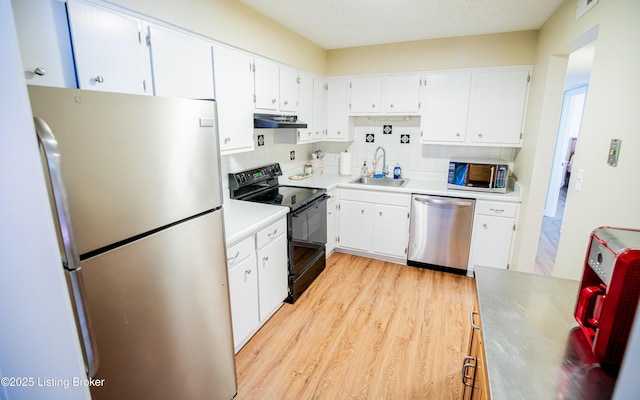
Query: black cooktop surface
[[290, 196]]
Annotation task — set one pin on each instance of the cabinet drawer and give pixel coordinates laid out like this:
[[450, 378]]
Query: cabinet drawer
[[240, 251], [271, 232], [497, 209]]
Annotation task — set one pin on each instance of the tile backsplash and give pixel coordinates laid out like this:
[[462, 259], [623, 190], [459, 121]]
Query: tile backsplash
[[402, 146]]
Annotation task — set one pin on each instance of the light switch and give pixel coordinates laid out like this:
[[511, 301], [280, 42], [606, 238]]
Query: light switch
[[614, 151], [579, 180]]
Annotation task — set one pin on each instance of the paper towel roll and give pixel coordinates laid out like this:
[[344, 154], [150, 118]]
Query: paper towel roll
[[345, 163]]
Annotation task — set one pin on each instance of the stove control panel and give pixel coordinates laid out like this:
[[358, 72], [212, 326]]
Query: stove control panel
[[252, 176]]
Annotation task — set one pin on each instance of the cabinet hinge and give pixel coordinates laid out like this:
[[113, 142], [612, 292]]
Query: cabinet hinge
[[254, 98], [252, 67], [408, 216], [350, 87], [514, 227], [508, 266], [528, 78], [298, 80], [144, 85], [349, 106], [338, 239], [520, 135], [419, 105], [406, 250]]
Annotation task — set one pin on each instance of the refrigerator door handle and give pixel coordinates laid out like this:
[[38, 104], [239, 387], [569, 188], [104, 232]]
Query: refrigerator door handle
[[89, 345], [443, 201], [70, 257]]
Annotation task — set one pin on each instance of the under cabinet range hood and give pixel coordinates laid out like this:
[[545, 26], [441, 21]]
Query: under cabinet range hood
[[272, 121]]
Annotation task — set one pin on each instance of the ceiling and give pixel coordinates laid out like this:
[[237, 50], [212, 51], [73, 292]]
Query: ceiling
[[334, 24]]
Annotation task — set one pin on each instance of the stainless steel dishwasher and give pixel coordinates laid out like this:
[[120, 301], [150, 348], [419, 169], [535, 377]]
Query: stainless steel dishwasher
[[440, 232]]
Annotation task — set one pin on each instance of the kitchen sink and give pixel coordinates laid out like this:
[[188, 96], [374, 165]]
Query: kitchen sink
[[365, 180]]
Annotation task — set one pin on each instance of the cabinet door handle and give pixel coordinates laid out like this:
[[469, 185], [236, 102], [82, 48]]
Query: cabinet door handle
[[227, 140], [272, 234], [99, 79], [485, 226], [474, 326], [264, 260], [40, 71], [234, 258], [247, 272], [465, 366], [380, 213], [497, 210], [273, 101], [361, 211]]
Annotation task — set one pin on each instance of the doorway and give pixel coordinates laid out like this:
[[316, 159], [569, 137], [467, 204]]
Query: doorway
[[575, 93]]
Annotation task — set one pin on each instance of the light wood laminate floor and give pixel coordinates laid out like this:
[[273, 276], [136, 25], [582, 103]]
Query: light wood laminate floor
[[365, 329]]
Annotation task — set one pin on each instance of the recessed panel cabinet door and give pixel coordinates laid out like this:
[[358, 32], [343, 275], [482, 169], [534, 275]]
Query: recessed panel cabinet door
[[109, 49], [182, 65]]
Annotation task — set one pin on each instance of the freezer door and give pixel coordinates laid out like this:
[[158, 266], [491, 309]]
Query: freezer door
[[161, 315], [131, 163]]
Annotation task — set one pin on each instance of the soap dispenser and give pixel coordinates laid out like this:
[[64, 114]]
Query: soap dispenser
[[397, 171], [364, 171]]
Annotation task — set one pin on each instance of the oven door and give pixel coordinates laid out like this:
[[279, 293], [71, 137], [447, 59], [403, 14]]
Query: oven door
[[309, 223]]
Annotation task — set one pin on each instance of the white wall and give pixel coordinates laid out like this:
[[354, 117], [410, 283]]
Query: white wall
[[37, 333], [610, 195]]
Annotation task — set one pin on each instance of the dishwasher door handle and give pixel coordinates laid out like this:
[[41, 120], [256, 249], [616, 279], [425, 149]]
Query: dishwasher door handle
[[452, 202]]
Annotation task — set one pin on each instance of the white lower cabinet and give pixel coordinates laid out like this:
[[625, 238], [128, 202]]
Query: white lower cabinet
[[272, 276], [258, 280], [243, 289], [332, 223], [374, 224], [494, 225]]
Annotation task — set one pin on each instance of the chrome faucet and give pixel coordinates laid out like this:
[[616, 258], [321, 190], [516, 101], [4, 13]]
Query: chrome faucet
[[385, 169]]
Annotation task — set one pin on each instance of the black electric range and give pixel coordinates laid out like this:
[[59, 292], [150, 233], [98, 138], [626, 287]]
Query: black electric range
[[306, 220]]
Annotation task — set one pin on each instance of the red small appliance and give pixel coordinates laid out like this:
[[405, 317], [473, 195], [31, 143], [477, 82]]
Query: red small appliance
[[609, 292]]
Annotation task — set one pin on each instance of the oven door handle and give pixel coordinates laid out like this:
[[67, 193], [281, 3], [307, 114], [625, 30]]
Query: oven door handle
[[317, 201]]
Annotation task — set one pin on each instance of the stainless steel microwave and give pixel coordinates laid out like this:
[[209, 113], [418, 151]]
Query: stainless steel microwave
[[483, 176]]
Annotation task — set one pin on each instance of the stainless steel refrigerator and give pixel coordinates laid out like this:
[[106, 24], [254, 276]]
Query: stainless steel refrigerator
[[134, 182]]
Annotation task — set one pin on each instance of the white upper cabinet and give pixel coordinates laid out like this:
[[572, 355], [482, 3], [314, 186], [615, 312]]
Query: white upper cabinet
[[276, 87], [319, 108], [497, 108], [392, 94], [365, 95], [402, 94], [305, 108], [234, 96], [267, 85], [445, 105], [289, 89], [110, 50], [337, 117], [182, 65], [45, 45]]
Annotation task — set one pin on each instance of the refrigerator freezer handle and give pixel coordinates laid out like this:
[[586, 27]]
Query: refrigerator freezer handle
[[70, 257]]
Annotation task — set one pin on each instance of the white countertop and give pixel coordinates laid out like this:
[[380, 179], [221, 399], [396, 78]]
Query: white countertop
[[417, 185], [243, 218]]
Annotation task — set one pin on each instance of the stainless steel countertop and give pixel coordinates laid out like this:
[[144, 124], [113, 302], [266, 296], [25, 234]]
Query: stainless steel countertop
[[534, 348]]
